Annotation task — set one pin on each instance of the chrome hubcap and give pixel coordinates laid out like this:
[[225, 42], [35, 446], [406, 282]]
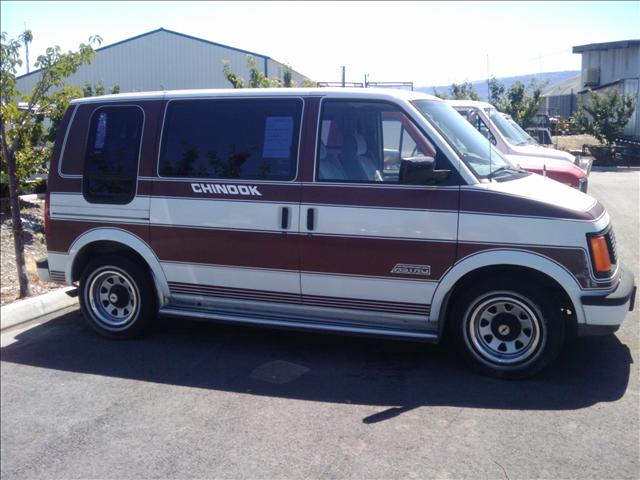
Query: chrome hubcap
[[113, 298], [504, 330]]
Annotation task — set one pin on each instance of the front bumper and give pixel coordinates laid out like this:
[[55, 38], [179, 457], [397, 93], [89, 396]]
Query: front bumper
[[605, 313]]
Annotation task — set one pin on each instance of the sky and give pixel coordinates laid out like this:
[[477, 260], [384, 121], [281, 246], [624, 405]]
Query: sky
[[428, 43]]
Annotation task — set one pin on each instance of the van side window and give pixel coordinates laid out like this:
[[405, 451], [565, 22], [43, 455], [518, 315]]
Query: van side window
[[113, 151], [252, 139], [366, 142]]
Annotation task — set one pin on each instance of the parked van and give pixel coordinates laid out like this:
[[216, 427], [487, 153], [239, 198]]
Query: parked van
[[519, 147], [355, 211]]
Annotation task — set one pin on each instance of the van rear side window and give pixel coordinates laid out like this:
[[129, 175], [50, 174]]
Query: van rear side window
[[113, 151], [251, 139]]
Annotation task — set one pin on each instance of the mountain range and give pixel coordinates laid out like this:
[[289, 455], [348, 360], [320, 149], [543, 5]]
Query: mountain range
[[546, 78]]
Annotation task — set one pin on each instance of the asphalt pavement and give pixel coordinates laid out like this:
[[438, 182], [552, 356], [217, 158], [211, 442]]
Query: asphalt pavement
[[205, 400]]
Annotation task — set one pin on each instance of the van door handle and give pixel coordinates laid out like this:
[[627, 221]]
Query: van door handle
[[311, 218], [284, 220]]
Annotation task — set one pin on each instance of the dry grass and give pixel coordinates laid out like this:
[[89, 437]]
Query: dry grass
[[32, 213], [574, 143]]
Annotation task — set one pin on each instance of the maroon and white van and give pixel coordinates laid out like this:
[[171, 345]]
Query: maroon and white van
[[358, 211]]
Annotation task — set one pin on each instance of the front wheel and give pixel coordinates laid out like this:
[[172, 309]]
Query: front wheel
[[117, 297], [507, 328]]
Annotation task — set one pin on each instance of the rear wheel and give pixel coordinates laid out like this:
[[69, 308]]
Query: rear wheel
[[507, 328], [117, 297]]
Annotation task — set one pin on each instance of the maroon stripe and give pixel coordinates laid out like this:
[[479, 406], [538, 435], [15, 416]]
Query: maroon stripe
[[494, 203], [374, 257], [373, 307], [372, 302], [414, 198], [64, 185], [238, 297], [316, 300], [62, 233], [330, 255], [226, 247]]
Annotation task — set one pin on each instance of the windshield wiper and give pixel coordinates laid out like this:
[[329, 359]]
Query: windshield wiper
[[502, 169]]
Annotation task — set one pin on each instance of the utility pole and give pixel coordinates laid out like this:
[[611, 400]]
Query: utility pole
[[366, 81], [343, 76], [488, 81]]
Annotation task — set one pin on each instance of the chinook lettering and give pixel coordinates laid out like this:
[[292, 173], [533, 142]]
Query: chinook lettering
[[225, 189]]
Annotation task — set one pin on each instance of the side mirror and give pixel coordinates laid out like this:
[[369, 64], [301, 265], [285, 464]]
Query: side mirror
[[420, 170]]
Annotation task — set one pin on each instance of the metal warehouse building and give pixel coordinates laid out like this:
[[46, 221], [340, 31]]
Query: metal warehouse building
[[612, 65], [165, 60], [560, 99]]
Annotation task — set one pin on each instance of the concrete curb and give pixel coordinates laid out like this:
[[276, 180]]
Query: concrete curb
[[32, 308], [615, 168]]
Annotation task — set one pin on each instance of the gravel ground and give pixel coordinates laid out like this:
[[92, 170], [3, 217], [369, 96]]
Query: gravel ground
[[32, 212]]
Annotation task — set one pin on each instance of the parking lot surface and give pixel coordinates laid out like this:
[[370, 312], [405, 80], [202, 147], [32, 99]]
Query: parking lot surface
[[206, 400]]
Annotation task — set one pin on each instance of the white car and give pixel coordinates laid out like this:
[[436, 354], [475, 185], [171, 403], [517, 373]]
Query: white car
[[504, 133]]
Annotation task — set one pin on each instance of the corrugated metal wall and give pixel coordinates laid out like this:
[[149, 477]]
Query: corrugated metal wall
[[614, 64], [562, 105], [617, 64], [162, 60]]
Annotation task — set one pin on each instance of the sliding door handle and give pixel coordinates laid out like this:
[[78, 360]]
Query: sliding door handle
[[284, 219], [311, 219]]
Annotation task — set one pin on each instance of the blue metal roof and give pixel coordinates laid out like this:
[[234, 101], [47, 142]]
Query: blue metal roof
[[265, 57]]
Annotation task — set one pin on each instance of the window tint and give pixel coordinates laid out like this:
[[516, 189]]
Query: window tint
[[113, 149], [254, 139], [367, 141]]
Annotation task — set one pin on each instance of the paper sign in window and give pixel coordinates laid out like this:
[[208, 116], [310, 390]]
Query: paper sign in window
[[278, 134]]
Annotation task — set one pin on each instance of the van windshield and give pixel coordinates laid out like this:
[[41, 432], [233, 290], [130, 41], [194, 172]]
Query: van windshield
[[513, 135], [472, 147]]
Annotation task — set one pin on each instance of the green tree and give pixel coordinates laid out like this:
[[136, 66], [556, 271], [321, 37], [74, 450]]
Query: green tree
[[97, 89], [463, 91], [22, 115], [287, 77], [605, 115], [27, 38], [438, 94], [496, 90], [257, 79], [519, 101], [308, 83], [234, 79]]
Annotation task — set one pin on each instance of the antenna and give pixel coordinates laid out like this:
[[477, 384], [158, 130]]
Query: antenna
[[489, 98]]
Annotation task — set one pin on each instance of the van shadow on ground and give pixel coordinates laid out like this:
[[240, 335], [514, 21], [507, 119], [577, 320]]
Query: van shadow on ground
[[395, 375]]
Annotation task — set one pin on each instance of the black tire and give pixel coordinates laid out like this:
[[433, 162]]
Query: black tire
[[507, 328], [117, 297]]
